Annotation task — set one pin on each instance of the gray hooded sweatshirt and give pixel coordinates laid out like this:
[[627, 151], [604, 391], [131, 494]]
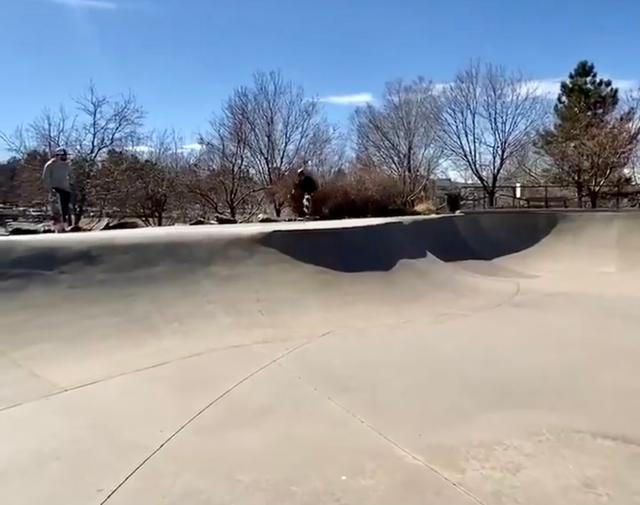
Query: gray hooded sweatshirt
[[56, 174]]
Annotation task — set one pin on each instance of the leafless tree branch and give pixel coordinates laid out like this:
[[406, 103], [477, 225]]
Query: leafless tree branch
[[284, 131], [399, 136], [489, 116]]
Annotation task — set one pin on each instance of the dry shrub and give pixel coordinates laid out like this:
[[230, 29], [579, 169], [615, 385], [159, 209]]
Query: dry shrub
[[425, 208], [215, 193], [26, 188], [358, 193], [279, 194], [124, 186]]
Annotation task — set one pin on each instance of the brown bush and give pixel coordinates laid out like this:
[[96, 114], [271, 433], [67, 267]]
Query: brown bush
[[425, 208], [27, 189], [124, 186], [359, 193]]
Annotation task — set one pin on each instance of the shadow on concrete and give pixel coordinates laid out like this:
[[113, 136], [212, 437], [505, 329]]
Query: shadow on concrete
[[24, 262], [365, 248], [381, 247], [44, 261]]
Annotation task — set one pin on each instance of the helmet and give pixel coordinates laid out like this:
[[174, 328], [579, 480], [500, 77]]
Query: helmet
[[61, 151], [301, 171]]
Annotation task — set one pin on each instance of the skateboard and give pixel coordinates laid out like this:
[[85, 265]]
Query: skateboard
[[56, 213]]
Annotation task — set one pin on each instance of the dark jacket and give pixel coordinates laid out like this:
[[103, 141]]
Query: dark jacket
[[307, 185]]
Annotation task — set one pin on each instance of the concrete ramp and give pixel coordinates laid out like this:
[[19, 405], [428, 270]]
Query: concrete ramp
[[487, 358]]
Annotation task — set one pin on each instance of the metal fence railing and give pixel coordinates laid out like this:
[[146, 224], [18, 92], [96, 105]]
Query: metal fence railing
[[545, 197]]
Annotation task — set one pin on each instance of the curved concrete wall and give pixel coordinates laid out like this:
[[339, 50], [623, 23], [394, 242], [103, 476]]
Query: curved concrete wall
[[373, 246], [379, 361]]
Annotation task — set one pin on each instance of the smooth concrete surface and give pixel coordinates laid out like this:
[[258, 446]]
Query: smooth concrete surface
[[487, 358]]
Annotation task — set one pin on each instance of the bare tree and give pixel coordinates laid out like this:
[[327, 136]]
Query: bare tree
[[527, 167], [489, 116], [634, 165], [48, 131], [126, 185], [170, 152], [284, 129], [168, 147], [155, 188], [26, 188], [15, 142], [399, 136], [104, 123], [335, 158], [223, 180], [51, 130], [632, 101], [99, 123], [8, 172]]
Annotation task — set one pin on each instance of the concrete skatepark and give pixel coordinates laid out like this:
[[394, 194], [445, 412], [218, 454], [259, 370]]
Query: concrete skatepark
[[487, 358]]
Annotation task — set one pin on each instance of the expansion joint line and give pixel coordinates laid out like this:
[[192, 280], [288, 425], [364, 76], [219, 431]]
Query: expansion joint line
[[428, 466], [207, 407]]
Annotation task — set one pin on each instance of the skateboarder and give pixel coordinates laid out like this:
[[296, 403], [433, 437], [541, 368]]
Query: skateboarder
[[304, 188], [56, 178]]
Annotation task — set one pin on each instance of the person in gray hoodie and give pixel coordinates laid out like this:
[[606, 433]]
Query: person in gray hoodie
[[56, 178]]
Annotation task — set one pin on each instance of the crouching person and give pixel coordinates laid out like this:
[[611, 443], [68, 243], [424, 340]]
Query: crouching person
[[304, 188]]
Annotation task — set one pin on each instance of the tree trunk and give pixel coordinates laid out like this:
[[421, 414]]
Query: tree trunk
[[579, 194], [593, 197], [491, 197]]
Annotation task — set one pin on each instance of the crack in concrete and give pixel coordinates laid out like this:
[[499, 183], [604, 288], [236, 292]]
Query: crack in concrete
[[126, 373], [245, 379], [208, 406], [459, 487], [424, 463], [63, 390], [19, 365]]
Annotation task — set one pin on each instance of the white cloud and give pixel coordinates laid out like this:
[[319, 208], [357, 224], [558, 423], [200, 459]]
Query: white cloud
[[626, 84], [547, 88], [192, 147], [355, 99], [146, 150], [550, 87], [88, 4]]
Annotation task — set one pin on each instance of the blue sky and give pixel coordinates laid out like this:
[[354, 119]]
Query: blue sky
[[183, 57]]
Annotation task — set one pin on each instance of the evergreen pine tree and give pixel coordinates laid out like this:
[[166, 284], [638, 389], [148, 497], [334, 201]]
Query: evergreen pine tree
[[590, 144]]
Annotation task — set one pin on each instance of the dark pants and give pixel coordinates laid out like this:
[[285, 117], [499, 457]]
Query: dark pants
[[301, 203], [306, 204], [64, 197]]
